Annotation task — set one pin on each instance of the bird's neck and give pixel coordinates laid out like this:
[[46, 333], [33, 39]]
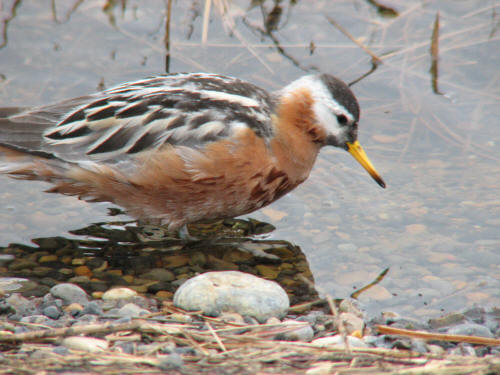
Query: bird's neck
[[298, 137]]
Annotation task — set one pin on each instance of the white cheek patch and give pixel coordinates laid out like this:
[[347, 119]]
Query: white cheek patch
[[326, 119]]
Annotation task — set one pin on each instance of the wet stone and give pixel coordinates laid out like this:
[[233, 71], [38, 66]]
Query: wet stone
[[19, 304], [47, 258], [73, 309], [118, 293], [303, 332], [34, 319], [419, 346], [463, 350], [36, 291], [228, 317], [175, 261], [198, 259], [161, 286], [15, 284], [95, 286], [164, 295], [131, 310], [352, 323], [78, 261], [6, 259], [232, 291], [350, 305], [69, 293], [22, 264], [447, 320], [42, 271], [52, 312], [268, 272], [159, 274], [83, 271], [61, 350], [338, 342], [96, 263], [170, 362], [471, 329], [93, 308]]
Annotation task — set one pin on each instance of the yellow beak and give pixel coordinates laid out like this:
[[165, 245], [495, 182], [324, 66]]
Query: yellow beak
[[359, 154]]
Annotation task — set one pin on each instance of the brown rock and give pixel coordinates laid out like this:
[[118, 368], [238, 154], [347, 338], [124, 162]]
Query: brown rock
[[48, 258], [83, 271]]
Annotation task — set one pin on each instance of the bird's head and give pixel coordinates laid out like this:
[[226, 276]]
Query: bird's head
[[336, 113]]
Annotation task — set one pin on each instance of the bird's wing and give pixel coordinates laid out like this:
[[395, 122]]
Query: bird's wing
[[188, 110]]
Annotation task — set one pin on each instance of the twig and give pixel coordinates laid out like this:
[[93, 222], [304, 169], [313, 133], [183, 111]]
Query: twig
[[71, 331], [340, 324], [377, 280], [206, 21], [106, 328], [167, 36], [217, 338], [376, 60], [194, 343], [435, 56], [438, 336], [229, 24]]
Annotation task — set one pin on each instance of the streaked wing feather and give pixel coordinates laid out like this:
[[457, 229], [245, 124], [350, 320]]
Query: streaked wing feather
[[180, 110]]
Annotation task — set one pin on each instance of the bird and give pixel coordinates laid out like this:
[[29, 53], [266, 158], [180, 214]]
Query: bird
[[182, 148]]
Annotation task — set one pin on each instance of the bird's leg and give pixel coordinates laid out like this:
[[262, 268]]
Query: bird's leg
[[185, 235]]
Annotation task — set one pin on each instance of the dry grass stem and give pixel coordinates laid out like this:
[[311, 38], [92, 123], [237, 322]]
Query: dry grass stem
[[438, 336], [376, 60], [206, 21]]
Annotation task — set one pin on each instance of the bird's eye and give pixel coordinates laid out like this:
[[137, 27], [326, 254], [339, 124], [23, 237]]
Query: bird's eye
[[342, 119]]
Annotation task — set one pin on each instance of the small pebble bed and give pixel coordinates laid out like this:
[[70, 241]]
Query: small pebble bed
[[242, 324]]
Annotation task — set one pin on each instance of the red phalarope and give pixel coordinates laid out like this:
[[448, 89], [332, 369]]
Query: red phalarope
[[183, 147]]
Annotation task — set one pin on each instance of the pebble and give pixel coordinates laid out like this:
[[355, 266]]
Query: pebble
[[20, 305], [92, 308], [118, 293], [69, 293], [6, 259], [14, 284], [349, 305], [303, 332], [85, 344], [229, 317], [170, 362], [47, 258], [34, 319], [158, 274], [463, 349], [232, 291], [338, 342], [446, 320], [471, 329], [21, 264], [352, 323], [52, 312], [131, 310]]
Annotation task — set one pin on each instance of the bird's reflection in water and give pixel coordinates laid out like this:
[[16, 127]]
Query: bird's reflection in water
[[151, 260]]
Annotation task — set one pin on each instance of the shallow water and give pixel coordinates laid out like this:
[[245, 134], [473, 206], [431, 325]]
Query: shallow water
[[436, 226]]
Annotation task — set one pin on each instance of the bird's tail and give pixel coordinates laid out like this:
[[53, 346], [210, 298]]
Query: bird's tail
[[21, 154]]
